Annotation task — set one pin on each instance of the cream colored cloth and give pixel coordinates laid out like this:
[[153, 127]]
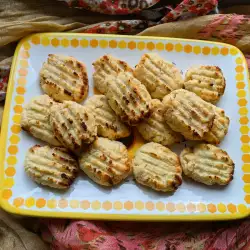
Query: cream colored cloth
[[13, 236], [19, 18]]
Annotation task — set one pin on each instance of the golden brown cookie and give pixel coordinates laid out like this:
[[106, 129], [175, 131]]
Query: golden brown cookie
[[155, 129], [73, 125], [64, 78], [188, 114], [106, 162], [220, 127], [128, 98], [35, 119], [207, 82], [157, 167], [159, 76], [51, 166], [108, 123], [107, 66], [207, 164]]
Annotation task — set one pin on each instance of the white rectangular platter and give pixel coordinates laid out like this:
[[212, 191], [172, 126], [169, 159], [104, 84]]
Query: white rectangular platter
[[128, 201]]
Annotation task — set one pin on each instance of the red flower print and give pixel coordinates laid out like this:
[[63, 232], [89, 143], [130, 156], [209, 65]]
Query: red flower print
[[83, 4], [114, 4], [5, 79], [170, 15], [193, 9], [112, 29], [209, 6], [101, 30], [202, 12], [90, 30], [121, 11], [86, 234], [103, 5]]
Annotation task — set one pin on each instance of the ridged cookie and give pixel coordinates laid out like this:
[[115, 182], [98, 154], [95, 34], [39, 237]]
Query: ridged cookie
[[157, 167], [159, 76], [105, 66], [106, 162], [73, 125], [207, 164], [128, 98], [108, 123], [207, 82], [51, 166], [35, 119], [155, 129], [220, 127], [64, 78], [188, 114]]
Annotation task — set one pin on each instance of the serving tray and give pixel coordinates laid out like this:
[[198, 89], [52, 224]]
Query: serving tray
[[128, 201]]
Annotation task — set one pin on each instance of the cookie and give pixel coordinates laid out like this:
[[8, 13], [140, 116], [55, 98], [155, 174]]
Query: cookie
[[64, 78], [73, 125], [51, 166], [107, 66], [157, 167], [108, 123], [207, 164], [128, 98], [219, 128], [35, 119], [207, 82], [106, 162], [188, 114], [159, 76], [155, 129]]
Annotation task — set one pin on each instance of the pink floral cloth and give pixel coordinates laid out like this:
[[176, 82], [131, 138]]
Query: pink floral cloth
[[4, 77], [83, 235], [116, 7], [113, 7]]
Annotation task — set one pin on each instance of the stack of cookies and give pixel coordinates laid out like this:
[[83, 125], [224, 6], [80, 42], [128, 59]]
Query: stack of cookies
[[154, 97]]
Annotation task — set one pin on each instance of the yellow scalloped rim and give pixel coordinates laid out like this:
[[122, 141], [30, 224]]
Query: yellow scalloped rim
[[196, 211]]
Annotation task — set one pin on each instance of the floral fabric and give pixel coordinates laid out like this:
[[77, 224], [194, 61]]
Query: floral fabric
[[4, 77], [83, 235], [125, 7], [113, 7]]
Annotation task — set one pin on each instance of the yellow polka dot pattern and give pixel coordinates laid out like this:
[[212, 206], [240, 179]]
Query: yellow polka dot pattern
[[244, 130], [14, 139], [125, 206], [132, 45], [128, 205]]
